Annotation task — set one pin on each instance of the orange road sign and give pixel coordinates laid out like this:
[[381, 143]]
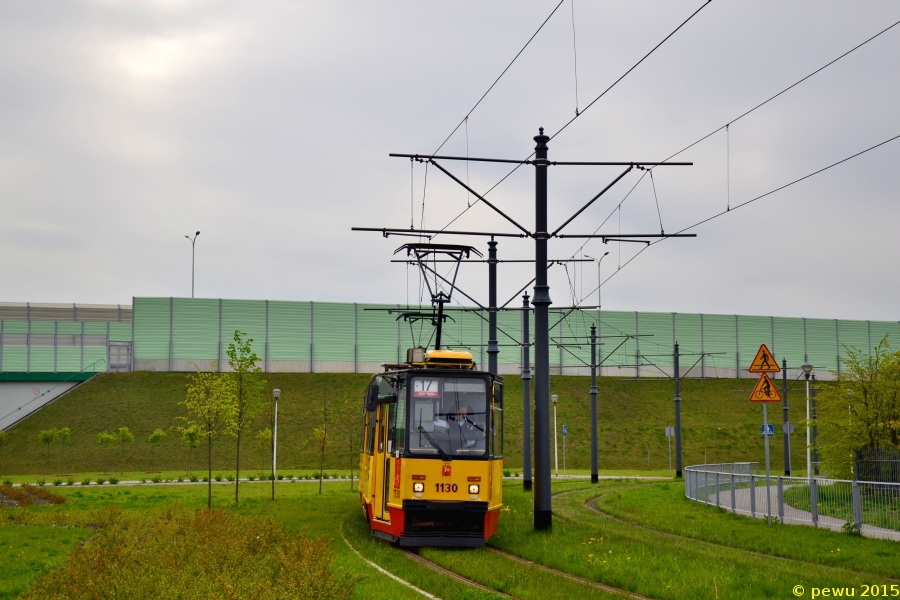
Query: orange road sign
[[764, 362], [765, 390]]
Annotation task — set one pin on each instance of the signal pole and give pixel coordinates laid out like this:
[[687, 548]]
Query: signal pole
[[594, 472], [784, 409], [543, 516]]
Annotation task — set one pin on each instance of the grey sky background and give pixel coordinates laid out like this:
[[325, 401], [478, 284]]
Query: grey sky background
[[267, 126]]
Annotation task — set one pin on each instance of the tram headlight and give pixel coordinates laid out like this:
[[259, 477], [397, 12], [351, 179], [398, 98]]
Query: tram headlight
[[473, 489], [418, 487]]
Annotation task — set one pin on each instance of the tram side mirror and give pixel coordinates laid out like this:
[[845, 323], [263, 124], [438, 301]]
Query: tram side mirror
[[372, 397]]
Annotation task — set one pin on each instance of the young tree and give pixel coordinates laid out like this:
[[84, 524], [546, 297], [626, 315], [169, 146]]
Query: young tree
[[155, 439], [211, 407], [321, 436], [191, 436], [246, 387], [64, 434], [4, 439], [861, 409], [47, 437], [124, 436], [104, 439]]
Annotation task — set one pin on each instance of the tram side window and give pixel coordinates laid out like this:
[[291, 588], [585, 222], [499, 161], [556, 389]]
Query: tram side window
[[370, 433], [398, 421], [497, 422]]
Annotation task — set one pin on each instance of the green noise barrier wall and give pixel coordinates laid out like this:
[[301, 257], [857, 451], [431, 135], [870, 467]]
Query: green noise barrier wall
[[182, 334]]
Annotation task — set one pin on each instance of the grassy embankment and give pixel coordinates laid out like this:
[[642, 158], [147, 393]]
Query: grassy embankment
[[658, 544], [717, 419]]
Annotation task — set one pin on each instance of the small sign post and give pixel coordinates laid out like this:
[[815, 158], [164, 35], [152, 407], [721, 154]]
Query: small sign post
[[565, 433], [670, 433], [765, 391]]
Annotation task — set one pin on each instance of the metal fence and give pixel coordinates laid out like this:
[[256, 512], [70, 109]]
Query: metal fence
[[872, 508]]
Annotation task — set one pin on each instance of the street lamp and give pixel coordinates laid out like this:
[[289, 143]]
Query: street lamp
[[275, 394], [807, 371], [193, 244], [554, 399]]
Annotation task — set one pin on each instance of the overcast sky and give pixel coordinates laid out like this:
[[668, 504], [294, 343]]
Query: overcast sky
[[125, 125]]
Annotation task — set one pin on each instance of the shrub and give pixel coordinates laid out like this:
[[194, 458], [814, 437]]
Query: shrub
[[101, 480], [57, 482], [205, 479], [290, 477], [180, 479], [7, 482], [280, 477], [86, 481], [229, 477], [45, 495], [114, 480], [194, 479], [156, 479], [850, 528], [41, 482], [196, 555], [70, 481], [219, 477], [143, 480], [506, 473], [251, 478]]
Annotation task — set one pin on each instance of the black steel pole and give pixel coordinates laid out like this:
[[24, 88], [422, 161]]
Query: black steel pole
[[784, 409], [440, 325], [526, 396], [677, 416], [493, 349], [543, 515], [815, 428], [594, 474]]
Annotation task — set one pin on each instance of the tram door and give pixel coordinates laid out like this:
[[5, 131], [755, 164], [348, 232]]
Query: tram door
[[383, 458]]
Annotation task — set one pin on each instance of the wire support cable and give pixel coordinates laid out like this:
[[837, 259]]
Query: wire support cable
[[483, 96], [793, 85]]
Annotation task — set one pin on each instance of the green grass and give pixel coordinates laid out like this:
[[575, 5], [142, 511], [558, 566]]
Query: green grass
[[26, 552], [664, 546], [716, 417], [879, 508]]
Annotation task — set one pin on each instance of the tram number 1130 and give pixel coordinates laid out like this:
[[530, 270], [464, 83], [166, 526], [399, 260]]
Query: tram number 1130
[[445, 487]]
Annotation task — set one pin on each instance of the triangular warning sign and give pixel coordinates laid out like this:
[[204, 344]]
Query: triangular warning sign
[[764, 362], [765, 390]]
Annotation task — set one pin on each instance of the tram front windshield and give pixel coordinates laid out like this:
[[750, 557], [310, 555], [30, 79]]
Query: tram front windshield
[[448, 417]]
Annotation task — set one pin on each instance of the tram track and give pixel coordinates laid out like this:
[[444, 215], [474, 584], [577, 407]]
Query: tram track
[[582, 580], [590, 504], [453, 574]]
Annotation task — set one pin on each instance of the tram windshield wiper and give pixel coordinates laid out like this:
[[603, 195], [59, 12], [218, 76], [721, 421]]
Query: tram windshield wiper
[[432, 441]]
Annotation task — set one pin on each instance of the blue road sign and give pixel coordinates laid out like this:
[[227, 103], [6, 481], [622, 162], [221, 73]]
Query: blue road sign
[[565, 430], [768, 430]]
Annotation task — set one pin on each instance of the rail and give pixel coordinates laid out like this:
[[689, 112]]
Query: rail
[[866, 507]]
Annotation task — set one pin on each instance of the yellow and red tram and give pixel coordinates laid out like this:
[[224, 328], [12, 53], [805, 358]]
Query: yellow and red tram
[[431, 462]]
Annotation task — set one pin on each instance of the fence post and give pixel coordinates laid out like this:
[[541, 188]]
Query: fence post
[[857, 506], [717, 489], [752, 497], [814, 501], [705, 486], [733, 507], [781, 500]]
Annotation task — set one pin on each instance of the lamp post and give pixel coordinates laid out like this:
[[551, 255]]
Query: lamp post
[[554, 399], [275, 394], [807, 371], [193, 245]]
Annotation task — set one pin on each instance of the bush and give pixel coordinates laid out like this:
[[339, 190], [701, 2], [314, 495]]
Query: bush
[[143, 480], [86, 481], [184, 554], [506, 472], [156, 479], [180, 479], [251, 478], [205, 479], [41, 482], [57, 482], [101, 480], [280, 477], [194, 479], [229, 477], [290, 477], [219, 477], [7, 482], [114, 480]]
